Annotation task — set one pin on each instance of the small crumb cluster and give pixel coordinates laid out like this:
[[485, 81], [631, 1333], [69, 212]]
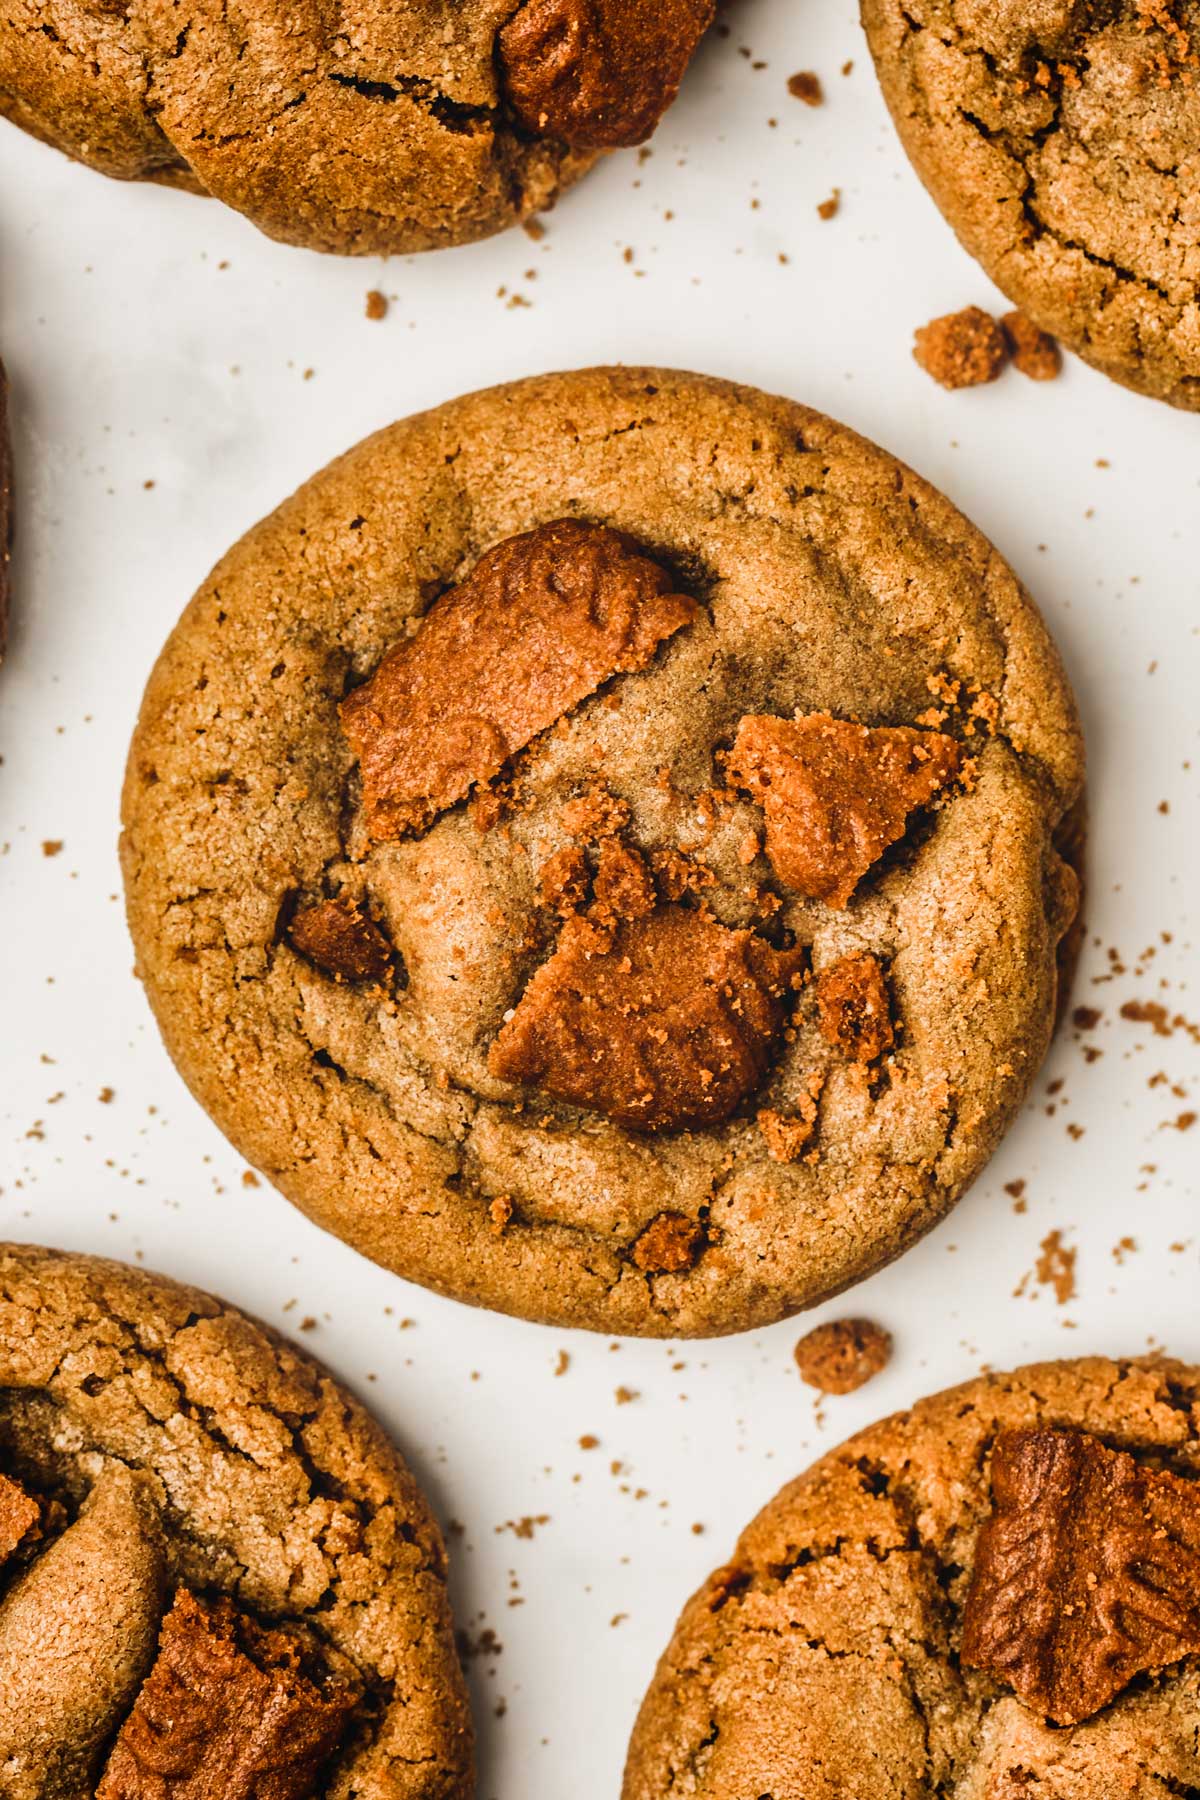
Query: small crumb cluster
[[970, 347]]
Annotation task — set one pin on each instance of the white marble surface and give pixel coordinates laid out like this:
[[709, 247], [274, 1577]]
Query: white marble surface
[[155, 339]]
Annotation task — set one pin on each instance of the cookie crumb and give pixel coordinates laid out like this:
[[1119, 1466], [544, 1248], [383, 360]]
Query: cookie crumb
[[961, 349], [51, 846], [828, 209], [841, 1355], [563, 1363], [669, 1245], [806, 86], [377, 304], [1034, 352], [1055, 1267]]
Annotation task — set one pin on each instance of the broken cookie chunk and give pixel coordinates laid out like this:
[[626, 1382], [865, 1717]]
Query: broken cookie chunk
[[836, 794], [1086, 1574], [598, 74], [541, 622], [853, 1007], [669, 1245], [226, 1710], [1034, 352], [962, 349], [842, 1355], [671, 1025], [342, 941]]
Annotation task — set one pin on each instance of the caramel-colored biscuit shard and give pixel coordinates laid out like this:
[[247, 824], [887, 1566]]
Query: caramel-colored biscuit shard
[[1034, 352], [598, 74], [669, 1245], [669, 1022], [843, 1354], [563, 881], [962, 349], [836, 794], [226, 1713], [1086, 1574], [624, 886], [541, 622], [19, 1513], [342, 941], [853, 1008]]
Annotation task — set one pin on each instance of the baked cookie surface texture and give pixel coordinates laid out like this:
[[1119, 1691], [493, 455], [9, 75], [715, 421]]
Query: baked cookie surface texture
[[217, 1578], [1062, 142], [594, 848], [991, 1596], [362, 129]]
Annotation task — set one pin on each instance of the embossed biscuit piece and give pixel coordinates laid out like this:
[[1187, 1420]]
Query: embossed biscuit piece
[[226, 1713], [672, 1024], [176, 1447], [598, 73], [1087, 1574], [541, 622], [342, 940], [1059, 140], [836, 794], [824, 1660]]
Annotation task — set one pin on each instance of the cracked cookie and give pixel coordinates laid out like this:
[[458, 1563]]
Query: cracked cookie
[[216, 1575], [363, 130], [597, 850], [990, 1596], [1062, 142]]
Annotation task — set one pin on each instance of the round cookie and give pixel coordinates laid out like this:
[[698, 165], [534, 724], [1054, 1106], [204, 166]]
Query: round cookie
[[1062, 142], [469, 911], [990, 1596], [371, 129], [216, 1575]]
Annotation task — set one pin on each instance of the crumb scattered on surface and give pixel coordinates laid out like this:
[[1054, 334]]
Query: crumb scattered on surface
[[1055, 1267], [51, 846], [828, 208], [841, 1355], [377, 304], [806, 86], [961, 349], [1034, 352]]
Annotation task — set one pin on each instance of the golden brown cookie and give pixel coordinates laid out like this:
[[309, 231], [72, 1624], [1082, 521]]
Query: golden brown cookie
[[216, 1575], [991, 1596], [367, 129], [594, 849], [1060, 141]]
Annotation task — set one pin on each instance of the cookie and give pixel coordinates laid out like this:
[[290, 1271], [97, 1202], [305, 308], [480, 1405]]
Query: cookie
[[216, 1575], [990, 1596], [5, 510], [1060, 143], [380, 129], [594, 849]]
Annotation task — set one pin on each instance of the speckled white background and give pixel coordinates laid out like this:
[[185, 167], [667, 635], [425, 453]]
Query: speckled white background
[[154, 338]]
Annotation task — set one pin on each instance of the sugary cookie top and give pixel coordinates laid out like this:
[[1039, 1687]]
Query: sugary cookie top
[[1060, 140], [991, 1595], [613, 798], [216, 1577]]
